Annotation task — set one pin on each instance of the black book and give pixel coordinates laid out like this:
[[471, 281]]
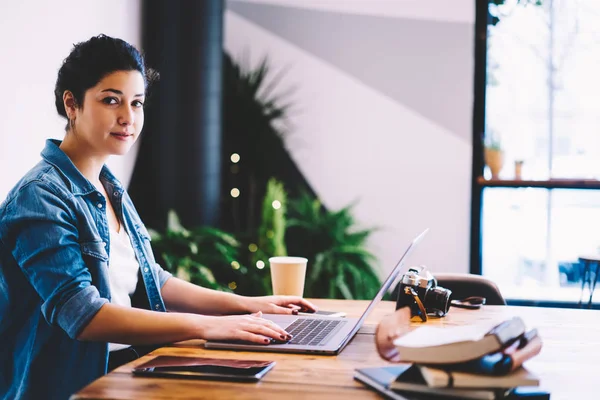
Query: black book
[[416, 388]]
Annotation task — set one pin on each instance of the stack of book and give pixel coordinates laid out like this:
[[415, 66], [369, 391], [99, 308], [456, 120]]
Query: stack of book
[[482, 361]]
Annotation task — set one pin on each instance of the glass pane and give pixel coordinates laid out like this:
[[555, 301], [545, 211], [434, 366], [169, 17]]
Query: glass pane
[[542, 87], [576, 53], [531, 257], [514, 241], [517, 102], [575, 231]]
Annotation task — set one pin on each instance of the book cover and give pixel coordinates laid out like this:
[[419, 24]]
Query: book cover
[[381, 379], [409, 384], [505, 361], [434, 345], [447, 378]]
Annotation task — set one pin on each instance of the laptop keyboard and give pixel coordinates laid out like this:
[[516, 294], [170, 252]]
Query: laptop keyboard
[[312, 332]]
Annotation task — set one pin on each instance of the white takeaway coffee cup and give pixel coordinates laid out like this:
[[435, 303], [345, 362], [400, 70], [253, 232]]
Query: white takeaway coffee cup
[[287, 275]]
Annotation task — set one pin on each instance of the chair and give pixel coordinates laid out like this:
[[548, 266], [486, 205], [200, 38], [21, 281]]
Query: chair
[[467, 285], [588, 262]]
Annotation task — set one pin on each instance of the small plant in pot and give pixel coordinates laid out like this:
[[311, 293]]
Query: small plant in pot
[[493, 155]]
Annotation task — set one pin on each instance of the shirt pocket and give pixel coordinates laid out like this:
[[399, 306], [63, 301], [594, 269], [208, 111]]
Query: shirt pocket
[[96, 259], [145, 240], [95, 249]]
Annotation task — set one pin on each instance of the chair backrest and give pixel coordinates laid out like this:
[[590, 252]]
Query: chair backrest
[[467, 285]]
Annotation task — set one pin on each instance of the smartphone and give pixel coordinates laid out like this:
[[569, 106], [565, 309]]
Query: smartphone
[[325, 313], [204, 368]]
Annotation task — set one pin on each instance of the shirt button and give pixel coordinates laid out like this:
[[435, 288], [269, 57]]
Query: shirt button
[[146, 269], [99, 205], [157, 306], [105, 244]]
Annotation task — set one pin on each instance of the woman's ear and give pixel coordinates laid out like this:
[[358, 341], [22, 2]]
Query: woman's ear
[[70, 104]]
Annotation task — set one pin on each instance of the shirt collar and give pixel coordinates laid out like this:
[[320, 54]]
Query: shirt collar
[[78, 183]]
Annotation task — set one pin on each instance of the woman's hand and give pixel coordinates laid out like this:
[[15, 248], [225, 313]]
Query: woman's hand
[[250, 328], [279, 304]]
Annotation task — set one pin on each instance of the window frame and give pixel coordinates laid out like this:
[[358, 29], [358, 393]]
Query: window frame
[[478, 183]]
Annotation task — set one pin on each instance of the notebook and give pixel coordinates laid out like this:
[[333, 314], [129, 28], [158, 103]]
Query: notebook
[[313, 334], [444, 377], [404, 382]]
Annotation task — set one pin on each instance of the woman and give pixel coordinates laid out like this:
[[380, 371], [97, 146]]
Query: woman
[[73, 249]]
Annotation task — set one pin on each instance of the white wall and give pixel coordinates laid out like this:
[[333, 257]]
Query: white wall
[[408, 166], [35, 36]]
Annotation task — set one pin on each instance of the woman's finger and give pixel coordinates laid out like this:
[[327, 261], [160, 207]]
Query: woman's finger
[[290, 309], [272, 332], [258, 321], [252, 337], [304, 304], [274, 326]]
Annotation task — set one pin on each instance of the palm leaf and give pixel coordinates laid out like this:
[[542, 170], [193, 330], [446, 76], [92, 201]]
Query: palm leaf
[[339, 263]]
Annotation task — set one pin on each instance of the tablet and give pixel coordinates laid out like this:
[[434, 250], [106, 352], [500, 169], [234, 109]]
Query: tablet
[[204, 368]]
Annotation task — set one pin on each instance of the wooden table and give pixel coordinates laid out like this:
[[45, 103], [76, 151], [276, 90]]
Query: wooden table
[[569, 364]]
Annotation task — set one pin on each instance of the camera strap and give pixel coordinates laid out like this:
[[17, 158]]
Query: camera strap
[[411, 292], [470, 303]]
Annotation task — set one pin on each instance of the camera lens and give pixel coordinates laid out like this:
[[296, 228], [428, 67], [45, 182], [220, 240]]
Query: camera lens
[[437, 301]]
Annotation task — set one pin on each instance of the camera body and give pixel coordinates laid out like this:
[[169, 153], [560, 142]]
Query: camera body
[[418, 289]]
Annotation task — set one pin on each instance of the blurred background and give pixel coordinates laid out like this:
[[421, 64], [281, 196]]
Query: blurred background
[[339, 130]]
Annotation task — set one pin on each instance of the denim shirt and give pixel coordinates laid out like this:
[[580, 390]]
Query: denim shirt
[[54, 248]]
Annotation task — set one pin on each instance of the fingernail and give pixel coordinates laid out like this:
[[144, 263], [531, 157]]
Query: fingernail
[[289, 337], [267, 341], [294, 312], [282, 337]]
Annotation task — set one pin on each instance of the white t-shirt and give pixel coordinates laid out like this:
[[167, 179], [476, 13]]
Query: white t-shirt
[[123, 273]]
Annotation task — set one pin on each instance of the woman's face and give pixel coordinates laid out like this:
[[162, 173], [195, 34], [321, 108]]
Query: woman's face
[[112, 115]]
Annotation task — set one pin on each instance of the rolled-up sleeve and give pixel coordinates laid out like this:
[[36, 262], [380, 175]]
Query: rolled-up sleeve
[[163, 276], [42, 233]]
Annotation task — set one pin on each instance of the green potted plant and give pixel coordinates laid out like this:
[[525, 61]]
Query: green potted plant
[[339, 265], [205, 256], [254, 126], [270, 239]]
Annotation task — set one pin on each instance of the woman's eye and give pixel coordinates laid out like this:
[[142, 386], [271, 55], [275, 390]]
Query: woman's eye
[[110, 100], [138, 103]]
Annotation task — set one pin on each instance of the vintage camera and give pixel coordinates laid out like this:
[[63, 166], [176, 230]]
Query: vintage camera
[[419, 290]]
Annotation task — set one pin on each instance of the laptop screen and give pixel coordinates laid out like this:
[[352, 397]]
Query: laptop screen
[[389, 280]]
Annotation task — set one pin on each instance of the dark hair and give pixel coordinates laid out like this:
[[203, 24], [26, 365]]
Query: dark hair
[[92, 60]]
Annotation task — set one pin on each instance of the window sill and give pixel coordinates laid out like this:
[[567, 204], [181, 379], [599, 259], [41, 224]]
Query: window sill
[[562, 297], [546, 184]]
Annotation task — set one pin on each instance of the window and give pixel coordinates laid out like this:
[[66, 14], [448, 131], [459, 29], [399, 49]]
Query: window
[[541, 108]]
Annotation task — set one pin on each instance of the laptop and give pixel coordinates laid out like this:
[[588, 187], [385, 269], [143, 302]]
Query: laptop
[[315, 334]]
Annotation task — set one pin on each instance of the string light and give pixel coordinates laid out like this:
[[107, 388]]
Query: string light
[[276, 204], [252, 247], [232, 285], [235, 158], [235, 265], [235, 192], [260, 264], [270, 234]]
